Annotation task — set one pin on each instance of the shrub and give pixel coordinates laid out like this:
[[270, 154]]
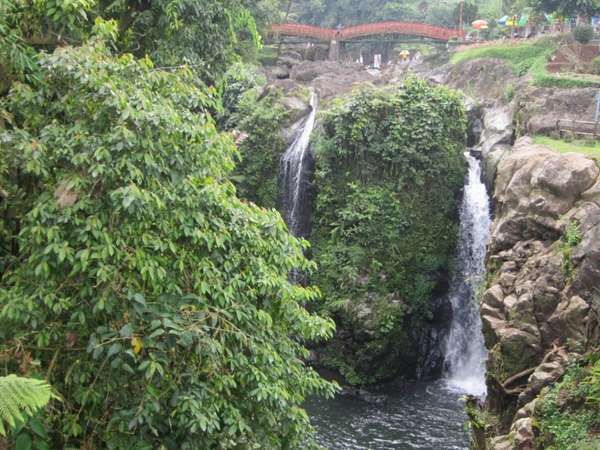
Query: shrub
[[567, 413], [596, 65], [156, 302], [583, 34], [509, 93]]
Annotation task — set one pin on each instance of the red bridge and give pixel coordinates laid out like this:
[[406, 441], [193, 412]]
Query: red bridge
[[343, 34]]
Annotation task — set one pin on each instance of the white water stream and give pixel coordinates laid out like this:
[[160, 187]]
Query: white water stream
[[295, 172], [465, 349]]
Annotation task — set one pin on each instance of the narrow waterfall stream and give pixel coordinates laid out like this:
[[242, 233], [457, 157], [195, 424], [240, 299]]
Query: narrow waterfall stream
[[465, 349], [295, 173], [425, 415]]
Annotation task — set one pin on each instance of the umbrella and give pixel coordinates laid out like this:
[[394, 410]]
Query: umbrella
[[502, 20], [523, 20], [480, 24]]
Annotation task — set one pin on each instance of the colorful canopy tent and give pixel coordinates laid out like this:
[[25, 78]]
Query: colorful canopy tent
[[480, 24], [523, 20], [512, 21]]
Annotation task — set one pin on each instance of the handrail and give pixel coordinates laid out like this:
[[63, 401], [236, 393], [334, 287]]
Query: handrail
[[369, 29]]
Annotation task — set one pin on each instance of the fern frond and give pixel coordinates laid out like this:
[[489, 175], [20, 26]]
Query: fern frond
[[21, 398]]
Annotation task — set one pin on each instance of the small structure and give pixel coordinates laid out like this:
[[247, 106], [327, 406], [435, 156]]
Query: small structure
[[585, 129]]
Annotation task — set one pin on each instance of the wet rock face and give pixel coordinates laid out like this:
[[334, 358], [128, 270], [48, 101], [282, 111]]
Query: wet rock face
[[543, 266]]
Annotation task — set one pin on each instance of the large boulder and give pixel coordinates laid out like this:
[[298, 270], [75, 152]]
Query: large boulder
[[534, 188], [543, 271]]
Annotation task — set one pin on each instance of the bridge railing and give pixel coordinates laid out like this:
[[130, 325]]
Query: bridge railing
[[295, 29], [370, 29]]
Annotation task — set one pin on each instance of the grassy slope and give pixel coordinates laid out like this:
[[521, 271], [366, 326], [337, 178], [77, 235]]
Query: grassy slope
[[591, 149], [529, 57]]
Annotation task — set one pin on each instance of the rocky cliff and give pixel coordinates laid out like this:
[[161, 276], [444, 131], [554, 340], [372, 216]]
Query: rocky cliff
[[540, 310]]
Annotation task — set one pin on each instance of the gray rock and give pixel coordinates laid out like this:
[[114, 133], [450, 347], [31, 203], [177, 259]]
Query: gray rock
[[569, 323], [295, 107], [280, 72]]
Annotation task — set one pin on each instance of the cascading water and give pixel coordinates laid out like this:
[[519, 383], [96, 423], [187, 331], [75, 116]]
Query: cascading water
[[296, 170], [465, 349]]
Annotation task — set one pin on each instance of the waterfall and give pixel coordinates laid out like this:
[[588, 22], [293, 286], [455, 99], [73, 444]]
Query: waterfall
[[465, 348], [377, 61], [296, 170]]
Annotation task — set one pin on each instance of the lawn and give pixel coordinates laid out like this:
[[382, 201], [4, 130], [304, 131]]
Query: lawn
[[516, 52], [588, 148], [529, 57]]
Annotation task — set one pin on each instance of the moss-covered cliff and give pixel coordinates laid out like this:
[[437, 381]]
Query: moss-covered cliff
[[389, 175]]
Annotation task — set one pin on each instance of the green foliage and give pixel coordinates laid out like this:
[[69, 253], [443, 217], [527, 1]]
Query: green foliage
[[572, 235], [583, 34], [239, 79], [567, 8], [155, 301], [207, 35], [596, 65], [592, 383], [21, 398], [509, 92], [570, 239], [516, 54], [588, 148], [389, 175], [331, 13], [17, 59], [469, 13], [262, 120], [567, 414]]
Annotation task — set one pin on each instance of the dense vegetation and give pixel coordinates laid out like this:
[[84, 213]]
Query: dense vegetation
[[133, 279], [351, 12], [568, 412], [389, 175], [256, 113], [377, 219]]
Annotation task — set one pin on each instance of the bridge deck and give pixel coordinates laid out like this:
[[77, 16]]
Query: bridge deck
[[370, 29]]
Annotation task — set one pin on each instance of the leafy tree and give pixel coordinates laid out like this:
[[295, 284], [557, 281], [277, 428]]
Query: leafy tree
[[155, 301], [469, 13], [207, 35], [568, 8], [331, 13], [583, 34]]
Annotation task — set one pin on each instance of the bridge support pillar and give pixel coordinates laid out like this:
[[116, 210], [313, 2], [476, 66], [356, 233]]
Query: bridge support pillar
[[334, 50]]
